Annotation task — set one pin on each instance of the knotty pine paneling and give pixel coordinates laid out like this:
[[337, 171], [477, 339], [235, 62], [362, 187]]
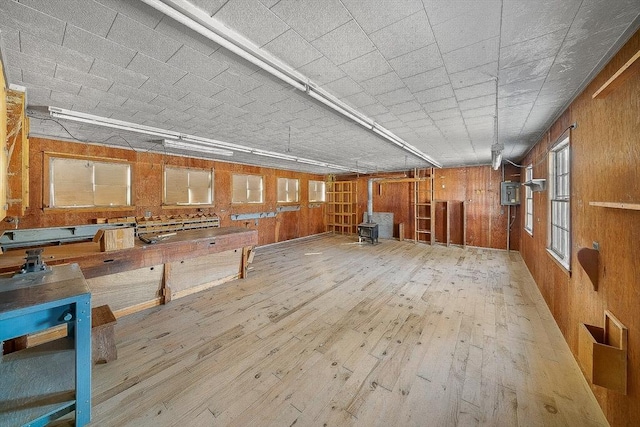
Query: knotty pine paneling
[[605, 166], [147, 192]]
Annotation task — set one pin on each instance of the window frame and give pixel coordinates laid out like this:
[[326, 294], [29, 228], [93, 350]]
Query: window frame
[[559, 223], [288, 182], [528, 201], [48, 197], [247, 197], [315, 191], [211, 172]]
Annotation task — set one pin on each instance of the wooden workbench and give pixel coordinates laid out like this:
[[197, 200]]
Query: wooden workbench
[[133, 279]]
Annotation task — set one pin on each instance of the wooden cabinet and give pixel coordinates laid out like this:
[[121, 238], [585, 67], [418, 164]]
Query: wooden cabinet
[[342, 205]]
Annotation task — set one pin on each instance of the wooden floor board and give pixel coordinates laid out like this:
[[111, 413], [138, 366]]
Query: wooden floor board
[[326, 331]]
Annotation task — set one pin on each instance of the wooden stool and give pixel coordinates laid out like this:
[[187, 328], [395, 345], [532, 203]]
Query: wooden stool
[[103, 340]]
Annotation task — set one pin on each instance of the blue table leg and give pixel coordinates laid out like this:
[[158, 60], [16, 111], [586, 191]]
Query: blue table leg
[[83, 361]]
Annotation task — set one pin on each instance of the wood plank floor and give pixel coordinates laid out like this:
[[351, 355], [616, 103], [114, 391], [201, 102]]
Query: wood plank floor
[[327, 332]]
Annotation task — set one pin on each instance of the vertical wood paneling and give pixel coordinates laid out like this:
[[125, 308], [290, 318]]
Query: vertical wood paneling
[[3, 145], [605, 166]]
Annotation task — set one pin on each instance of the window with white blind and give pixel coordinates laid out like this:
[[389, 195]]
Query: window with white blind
[[186, 186], [528, 197], [86, 183], [316, 191], [559, 197], [288, 190], [247, 189]]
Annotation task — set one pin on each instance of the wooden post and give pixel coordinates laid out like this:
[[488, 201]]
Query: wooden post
[[401, 231]]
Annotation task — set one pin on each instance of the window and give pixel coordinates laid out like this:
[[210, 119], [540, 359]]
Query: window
[[560, 215], [81, 183], [184, 186], [316, 191], [528, 205], [287, 190], [247, 189]]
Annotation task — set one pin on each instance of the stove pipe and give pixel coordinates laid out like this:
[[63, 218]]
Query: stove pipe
[[370, 200]]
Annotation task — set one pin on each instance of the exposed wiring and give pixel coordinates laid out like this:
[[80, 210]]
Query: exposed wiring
[[82, 140], [543, 157]]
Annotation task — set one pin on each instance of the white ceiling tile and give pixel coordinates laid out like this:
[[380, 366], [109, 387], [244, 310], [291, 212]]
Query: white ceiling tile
[[102, 97], [394, 97], [235, 81], [235, 62], [476, 21], [90, 44], [443, 104], [404, 36], [136, 10], [84, 79], [73, 101], [183, 34], [209, 6], [520, 88], [118, 74], [190, 60], [345, 43], [45, 81], [474, 76], [198, 85], [131, 92], [252, 19], [551, 16], [427, 80], [405, 107], [24, 18], [136, 105], [259, 107], [148, 41], [385, 13], [342, 87], [527, 71], [155, 85], [382, 84], [410, 116], [20, 60], [230, 97], [367, 66], [488, 110], [472, 56], [418, 61], [512, 101], [359, 99], [481, 101], [311, 18], [434, 94], [173, 104], [445, 114], [267, 94], [532, 49], [374, 109], [159, 70], [39, 48], [474, 91], [88, 15], [291, 48], [321, 71]]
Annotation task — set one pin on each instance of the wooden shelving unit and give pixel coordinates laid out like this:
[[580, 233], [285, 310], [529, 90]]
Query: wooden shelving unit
[[342, 205], [423, 207]]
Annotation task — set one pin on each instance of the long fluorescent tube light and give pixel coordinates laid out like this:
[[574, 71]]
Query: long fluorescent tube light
[[181, 145], [199, 21], [77, 116]]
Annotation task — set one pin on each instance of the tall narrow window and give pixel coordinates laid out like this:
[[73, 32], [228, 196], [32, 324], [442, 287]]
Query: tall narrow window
[[185, 186], [560, 215], [528, 205], [247, 189], [82, 183], [287, 190], [316, 191]]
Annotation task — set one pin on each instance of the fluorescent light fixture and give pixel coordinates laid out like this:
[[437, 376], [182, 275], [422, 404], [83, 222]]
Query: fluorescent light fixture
[[199, 21], [191, 141], [182, 145]]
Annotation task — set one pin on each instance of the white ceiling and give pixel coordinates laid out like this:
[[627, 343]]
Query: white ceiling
[[424, 69]]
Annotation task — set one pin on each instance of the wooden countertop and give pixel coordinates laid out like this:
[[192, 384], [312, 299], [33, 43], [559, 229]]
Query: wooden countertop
[[185, 244]]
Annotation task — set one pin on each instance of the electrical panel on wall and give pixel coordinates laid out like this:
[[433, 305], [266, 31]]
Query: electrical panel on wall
[[509, 193]]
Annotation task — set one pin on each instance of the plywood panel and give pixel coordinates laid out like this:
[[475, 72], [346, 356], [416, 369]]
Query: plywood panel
[[127, 289], [3, 144], [605, 167], [195, 272], [18, 153]]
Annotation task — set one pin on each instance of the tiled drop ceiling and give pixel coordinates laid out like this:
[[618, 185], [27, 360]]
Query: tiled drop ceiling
[[432, 72]]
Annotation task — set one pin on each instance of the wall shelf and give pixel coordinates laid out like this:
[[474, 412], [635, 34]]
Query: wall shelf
[[619, 77], [615, 205], [537, 184]]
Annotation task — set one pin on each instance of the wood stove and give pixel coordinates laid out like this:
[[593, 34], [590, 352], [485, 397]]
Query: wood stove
[[368, 230]]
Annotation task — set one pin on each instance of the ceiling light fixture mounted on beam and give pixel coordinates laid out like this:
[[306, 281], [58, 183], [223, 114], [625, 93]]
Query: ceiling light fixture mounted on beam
[[182, 141], [199, 21]]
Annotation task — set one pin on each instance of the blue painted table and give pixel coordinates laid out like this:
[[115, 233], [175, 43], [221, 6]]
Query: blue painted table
[[44, 382]]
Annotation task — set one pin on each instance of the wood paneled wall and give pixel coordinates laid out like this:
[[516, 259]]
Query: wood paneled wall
[[478, 186], [147, 193], [605, 166]]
